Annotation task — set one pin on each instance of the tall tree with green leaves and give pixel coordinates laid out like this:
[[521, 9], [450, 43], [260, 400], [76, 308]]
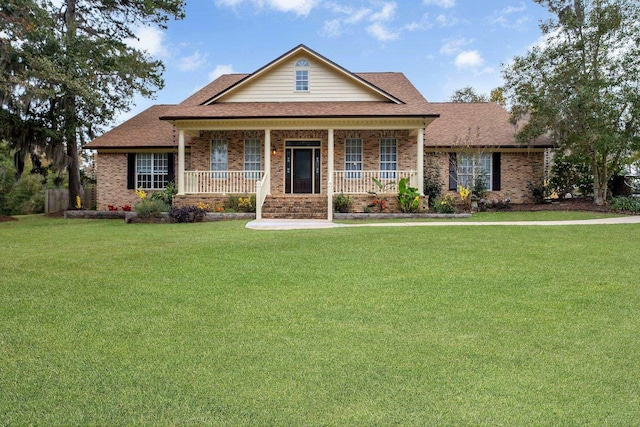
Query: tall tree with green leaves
[[582, 84], [68, 69], [468, 94]]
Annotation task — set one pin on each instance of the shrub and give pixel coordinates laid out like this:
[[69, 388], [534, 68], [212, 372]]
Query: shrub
[[147, 208], [408, 197], [629, 204], [247, 204], [166, 194], [187, 214], [568, 173], [432, 183], [445, 204], [538, 191], [480, 187], [231, 204], [342, 203], [26, 196], [240, 204]]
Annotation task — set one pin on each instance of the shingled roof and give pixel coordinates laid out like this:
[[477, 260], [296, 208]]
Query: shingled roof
[[144, 130], [475, 124]]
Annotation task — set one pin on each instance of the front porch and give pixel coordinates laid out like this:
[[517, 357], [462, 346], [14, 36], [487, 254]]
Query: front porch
[[215, 187], [299, 164]]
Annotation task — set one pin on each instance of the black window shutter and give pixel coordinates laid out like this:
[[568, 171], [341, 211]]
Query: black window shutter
[[172, 168], [496, 172], [131, 171], [453, 171]]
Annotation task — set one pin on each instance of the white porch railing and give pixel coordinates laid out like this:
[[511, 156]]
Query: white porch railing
[[361, 182], [262, 189], [221, 182]]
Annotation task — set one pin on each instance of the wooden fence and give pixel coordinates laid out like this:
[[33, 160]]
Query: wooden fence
[[57, 199]]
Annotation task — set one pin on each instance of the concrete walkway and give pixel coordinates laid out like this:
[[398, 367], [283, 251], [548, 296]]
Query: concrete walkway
[[298, 224]]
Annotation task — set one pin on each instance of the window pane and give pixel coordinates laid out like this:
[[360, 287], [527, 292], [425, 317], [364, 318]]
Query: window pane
[[473, 167], [152, 170], [252, 158], [353, 157], [302, 80], [388, 158]]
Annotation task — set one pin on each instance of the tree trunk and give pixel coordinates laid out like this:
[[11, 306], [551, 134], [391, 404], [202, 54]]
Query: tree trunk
[[70, 113], [73, 168], [600, 183]]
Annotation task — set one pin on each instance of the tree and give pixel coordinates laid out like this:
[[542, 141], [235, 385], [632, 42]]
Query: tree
[[467, 94], [497, 96], [582, 85], [67, 70]]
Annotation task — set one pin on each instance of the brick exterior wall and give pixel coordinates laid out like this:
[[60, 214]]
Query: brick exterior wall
[[201, 150], [111, 175], [517, 170]]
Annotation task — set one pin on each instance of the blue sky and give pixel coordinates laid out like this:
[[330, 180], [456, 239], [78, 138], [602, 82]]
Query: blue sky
[[440, 45]]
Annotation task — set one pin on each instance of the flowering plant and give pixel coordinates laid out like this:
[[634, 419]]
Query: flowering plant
[[112, 208], [141, 194], [445, 204], [126, 208], [378, 201], [463, 192]]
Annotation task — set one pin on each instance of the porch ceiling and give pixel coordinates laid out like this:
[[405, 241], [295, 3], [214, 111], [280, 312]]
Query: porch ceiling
[[412, 123]]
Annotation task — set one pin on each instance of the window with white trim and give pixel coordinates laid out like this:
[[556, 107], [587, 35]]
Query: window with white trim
[[152, 170], [473, 167], [302, 75], [353, 158], [388, 158], [219, 158], [252, 158]]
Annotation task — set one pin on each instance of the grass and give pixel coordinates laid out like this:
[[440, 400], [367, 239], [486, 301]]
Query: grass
[[212, 324], [500, 216]]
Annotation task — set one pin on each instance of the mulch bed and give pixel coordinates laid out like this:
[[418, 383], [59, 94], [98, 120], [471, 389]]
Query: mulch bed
[[562, 205], [4, 218]]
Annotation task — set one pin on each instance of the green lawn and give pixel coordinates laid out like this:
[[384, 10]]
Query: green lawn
[[103, 323], [500, 216]]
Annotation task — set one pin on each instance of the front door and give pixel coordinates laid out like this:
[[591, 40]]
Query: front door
[[302, 173], [302, 170]]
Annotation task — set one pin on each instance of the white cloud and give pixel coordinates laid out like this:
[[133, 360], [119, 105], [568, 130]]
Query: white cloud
[[353, 16], [469, 59], [299, 7], [452, 46], [357, 15], [381, 33], [504, 17], [333, 28], [220, 70], [387, 13], [149, 39], [447, 21], [445, 4], [192, 62], [421, 25]]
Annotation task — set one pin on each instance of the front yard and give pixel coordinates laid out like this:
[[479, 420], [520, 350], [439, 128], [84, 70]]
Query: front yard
[[212, 324]]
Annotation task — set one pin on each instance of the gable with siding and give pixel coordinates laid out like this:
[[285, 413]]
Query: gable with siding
[[326, 84]]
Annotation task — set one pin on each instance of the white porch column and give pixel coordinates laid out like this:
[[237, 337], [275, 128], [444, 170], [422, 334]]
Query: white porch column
[[267, 160], [420, 161], [181, 182], [330, 175]]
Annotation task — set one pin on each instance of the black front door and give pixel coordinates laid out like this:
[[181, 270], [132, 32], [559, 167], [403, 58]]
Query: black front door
[[303, 171]]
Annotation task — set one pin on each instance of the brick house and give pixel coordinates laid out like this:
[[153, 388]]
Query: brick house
[[302, 129]]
